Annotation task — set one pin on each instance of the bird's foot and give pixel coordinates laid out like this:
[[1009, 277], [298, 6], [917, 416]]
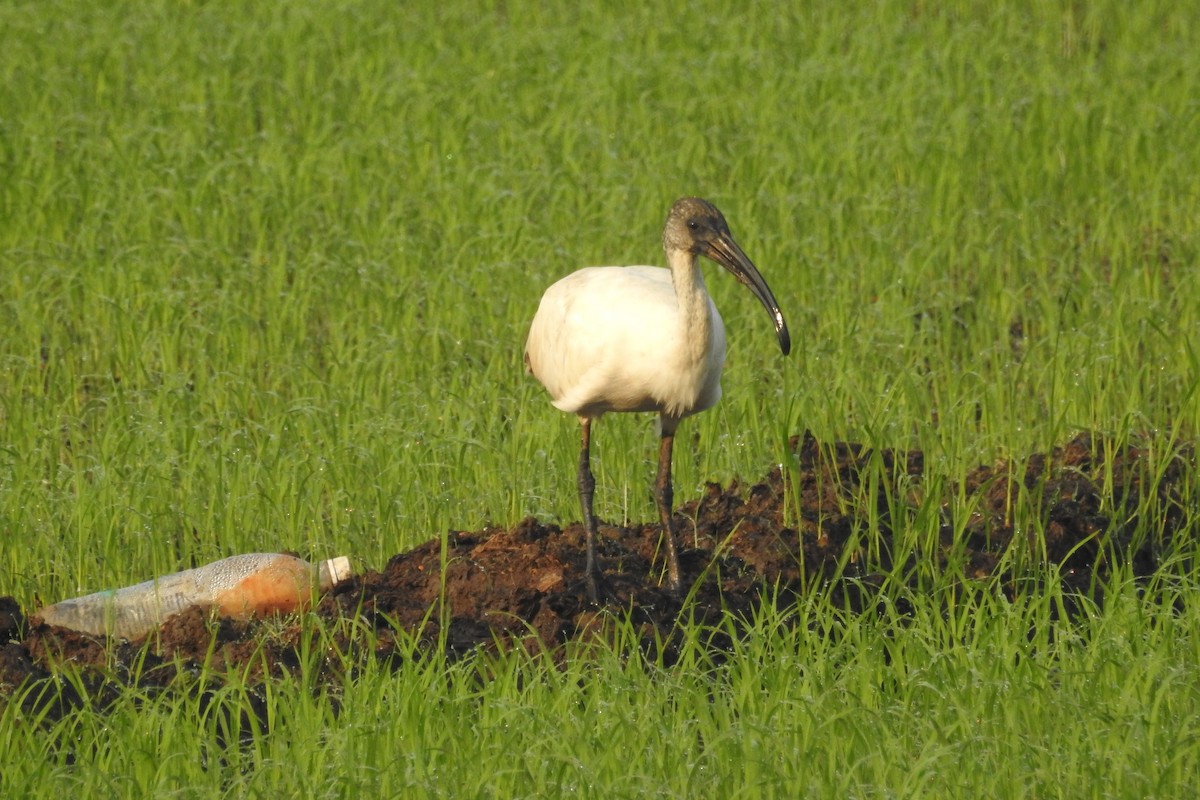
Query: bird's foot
[[599, 591]]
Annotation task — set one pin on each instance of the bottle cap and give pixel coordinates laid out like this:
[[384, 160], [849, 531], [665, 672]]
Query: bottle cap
[[333, 571]]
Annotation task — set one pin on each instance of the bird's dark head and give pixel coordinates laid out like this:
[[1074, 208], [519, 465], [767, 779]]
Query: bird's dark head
[[696, 226], [693, 224]]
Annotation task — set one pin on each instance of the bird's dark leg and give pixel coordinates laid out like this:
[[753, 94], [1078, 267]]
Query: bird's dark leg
[[664, 495], [587, 489]]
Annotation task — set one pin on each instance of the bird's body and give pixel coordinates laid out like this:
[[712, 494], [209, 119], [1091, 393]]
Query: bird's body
[[616, 339], [642, 339]]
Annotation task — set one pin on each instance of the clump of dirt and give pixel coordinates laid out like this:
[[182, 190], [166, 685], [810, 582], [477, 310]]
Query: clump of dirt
[[813, 525]]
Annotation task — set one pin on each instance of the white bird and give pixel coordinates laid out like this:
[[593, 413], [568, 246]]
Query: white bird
[[642, 339]]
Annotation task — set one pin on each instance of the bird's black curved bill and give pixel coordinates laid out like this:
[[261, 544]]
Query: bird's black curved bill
[[726, 252]]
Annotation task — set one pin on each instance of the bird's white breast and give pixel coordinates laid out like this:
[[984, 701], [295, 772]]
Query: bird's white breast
[[619, 339]]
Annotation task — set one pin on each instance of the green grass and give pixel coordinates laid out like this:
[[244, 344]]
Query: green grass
[[965, 702], [264, 281]]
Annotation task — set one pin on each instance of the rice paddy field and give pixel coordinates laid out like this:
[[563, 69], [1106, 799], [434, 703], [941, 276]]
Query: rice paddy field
[[266, 272]]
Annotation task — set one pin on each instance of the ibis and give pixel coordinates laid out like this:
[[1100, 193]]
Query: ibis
[[642, 339]]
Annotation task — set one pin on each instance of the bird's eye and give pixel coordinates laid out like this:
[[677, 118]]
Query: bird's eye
[[693, 225]]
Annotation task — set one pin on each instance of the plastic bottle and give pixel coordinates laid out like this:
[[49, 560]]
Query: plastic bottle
[[240, 587]]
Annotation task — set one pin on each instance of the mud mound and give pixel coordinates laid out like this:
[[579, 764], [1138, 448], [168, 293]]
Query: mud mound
[[523, 586]]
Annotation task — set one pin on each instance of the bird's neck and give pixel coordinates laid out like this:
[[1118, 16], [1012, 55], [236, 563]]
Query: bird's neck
[[694, 310]]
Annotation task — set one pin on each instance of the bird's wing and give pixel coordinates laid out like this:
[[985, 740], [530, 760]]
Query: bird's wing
[[596, 336]]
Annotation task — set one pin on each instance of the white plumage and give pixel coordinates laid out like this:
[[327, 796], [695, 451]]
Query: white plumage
[[613, 339]]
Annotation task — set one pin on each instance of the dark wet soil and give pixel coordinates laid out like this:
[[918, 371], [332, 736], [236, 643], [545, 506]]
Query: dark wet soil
[[1104, 506]]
